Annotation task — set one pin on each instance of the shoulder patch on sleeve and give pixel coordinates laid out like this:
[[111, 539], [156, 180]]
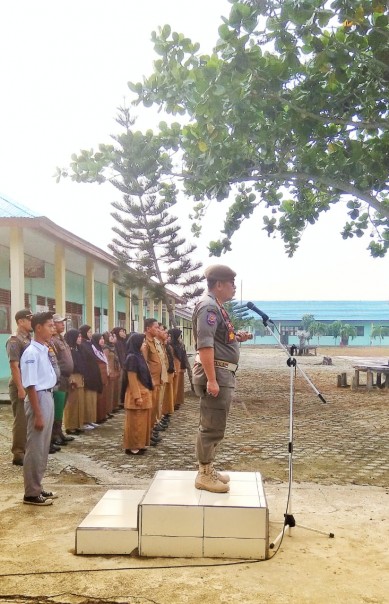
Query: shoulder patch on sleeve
[[13, 346], [211, 317]]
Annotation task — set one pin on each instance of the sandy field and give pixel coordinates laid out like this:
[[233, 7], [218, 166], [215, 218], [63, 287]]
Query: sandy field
[[340, 486]]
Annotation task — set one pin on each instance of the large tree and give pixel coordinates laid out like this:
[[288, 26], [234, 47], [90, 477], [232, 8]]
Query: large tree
[[289, 112], [148, 247], [292, 107]]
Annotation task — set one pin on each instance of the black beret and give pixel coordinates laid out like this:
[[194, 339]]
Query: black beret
[[23, 314]]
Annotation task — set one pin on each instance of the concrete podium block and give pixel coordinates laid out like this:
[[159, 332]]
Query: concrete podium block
[[173, 519], [178, 520], [112, 526]]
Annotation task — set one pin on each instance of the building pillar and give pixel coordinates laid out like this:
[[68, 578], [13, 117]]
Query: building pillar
[[152, 308], [59, 279], [128, 312], [160, 305], [90, 293], [141, 310], [16, 257], [173, 305], [111, 302]]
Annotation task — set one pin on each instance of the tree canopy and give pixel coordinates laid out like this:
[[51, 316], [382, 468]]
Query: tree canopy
[[291, 107], [289, 112]]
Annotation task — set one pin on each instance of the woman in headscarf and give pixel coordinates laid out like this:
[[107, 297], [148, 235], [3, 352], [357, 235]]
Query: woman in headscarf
[[113, 372], [121, 351], [92, 377], [74, 408], [179, 366], [137, 402], [168, 397], [101, 403]]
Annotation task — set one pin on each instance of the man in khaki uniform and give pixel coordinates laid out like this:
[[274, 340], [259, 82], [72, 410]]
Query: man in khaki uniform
[[65, 362], [15, 347], [214, 370], [153, 361], [159, 341]]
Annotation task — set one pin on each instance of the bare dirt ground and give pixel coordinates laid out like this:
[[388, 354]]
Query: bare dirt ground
[[341, 478]]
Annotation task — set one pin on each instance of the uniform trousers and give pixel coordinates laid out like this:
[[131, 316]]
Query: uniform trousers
[[19, 426], [160, 401], [155, 404], [213, 420], [38, 444]]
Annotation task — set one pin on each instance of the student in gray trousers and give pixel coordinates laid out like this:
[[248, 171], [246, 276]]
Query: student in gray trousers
[[38, 378]]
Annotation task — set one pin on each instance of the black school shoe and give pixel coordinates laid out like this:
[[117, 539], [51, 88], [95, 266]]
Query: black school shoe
[[49, 495], [66, 439], [39, 500], [58, 442]]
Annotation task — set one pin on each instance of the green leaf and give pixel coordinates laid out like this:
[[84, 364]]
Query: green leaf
[[166, 31], [225, 33]]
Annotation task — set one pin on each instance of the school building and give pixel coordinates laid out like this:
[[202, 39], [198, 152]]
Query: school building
[[45, 267], [365, 316]]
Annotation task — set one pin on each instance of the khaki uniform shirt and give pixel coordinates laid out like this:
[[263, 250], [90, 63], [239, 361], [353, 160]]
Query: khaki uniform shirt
[[63, 359], [212, 330], [164, 362], [16, 345], [153, 361]]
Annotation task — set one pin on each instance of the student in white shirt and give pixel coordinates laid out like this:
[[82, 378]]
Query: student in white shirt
[[38, 378]]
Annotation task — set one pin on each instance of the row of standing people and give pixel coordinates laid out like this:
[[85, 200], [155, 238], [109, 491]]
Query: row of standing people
[[99, 385], [84, 376], [155, 364], [60, 377]]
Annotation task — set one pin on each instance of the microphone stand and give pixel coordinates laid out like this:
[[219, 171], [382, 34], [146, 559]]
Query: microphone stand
[[289, 520]]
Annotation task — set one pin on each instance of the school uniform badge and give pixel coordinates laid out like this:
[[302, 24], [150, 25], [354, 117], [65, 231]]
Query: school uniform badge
[[211, 318]]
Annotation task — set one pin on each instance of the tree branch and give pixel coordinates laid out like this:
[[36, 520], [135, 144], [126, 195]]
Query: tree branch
[[343, 186]]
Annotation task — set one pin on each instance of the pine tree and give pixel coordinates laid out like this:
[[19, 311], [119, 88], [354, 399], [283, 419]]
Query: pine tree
[[149, 250]]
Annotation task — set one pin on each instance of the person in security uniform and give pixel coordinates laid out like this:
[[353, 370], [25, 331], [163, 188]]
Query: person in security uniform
[[15, 346], [216, 362]]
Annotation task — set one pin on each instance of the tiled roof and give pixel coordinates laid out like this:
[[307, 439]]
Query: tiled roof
[[11, 209]]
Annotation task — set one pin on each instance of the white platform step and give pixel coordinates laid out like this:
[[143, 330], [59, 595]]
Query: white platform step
[[112, 526], [177, 520]]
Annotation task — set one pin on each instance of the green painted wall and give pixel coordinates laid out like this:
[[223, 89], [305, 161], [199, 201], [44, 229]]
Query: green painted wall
[[75, 287]]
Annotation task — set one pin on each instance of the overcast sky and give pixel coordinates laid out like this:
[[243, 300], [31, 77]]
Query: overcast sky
[[64, 69]]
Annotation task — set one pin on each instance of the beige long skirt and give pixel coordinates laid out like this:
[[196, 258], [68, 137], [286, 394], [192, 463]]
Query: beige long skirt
[[137, 428], [73, 416]]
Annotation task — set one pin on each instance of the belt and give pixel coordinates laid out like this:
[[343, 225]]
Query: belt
[[45, 390], [221, 364]]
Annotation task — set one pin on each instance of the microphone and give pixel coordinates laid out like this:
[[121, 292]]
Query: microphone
[[264, 316]]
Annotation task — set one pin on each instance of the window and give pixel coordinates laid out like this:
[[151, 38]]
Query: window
[[360, 330], [74, 314], [121, 319], [97, 319], [288, 330], [51, 304], [5, 311]]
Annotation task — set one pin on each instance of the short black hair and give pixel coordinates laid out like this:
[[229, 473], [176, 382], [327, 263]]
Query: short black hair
[[149, 322], [40, 318]]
